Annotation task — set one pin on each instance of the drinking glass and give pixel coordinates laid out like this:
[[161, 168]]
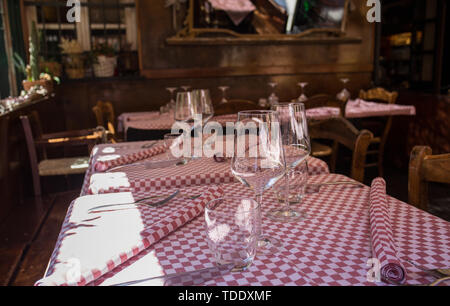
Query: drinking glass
[[232, 228], [185, 108], [273, 98], [186, 87], [302, 97], [296, 147], [258, 160], [295, 190], [203, 98], [169, 141], [223, 89], [344, 94]]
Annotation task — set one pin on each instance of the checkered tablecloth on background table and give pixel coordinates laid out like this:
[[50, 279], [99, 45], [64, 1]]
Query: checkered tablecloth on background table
[[331, 246], [354, 109]]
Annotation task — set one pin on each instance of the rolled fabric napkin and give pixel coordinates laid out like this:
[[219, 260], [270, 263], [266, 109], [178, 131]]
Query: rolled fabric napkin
[[110, 161], [91, 245], [382, 237]]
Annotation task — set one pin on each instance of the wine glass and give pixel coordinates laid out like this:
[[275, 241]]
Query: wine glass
[[172, 100], [223, 89], [203, 98], [302, 97], [258, 160], [296, 146], [186, 87], [344, 94], [185, 108], [273, 98]]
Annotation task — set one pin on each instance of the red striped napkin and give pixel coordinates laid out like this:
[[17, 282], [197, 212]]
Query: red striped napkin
[[105, 163], [91, 245], [383, 244]]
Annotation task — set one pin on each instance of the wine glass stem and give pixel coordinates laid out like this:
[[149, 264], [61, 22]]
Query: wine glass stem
[[286, 196], [258, 199]]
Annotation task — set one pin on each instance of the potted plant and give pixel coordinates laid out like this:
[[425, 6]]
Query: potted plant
[[73, 58], [106, 60], [32, 71]]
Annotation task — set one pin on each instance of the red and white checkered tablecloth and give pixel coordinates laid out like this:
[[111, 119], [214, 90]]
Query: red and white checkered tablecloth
[[355, 109], [135, 116], [166, 121], [331, 246], [140, 181]]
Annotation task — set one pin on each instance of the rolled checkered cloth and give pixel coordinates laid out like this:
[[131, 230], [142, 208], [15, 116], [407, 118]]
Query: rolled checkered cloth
[[110, 161], [382, 237], [89, 247]]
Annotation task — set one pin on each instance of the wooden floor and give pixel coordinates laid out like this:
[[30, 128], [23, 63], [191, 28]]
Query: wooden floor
[[28, 236]]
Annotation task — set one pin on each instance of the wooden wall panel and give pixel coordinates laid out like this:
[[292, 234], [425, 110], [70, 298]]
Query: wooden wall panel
[[246, 68]]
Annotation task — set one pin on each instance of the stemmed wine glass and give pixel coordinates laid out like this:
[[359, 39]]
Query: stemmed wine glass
[[258, 160], [186, 87], [273, 98], [344, 94], [172, 100], [302, 97], [223, 89], [296, 146], [185, 108], [203, 98]]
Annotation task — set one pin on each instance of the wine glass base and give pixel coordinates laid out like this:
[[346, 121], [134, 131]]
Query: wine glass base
[[268, 245], [286, 215]]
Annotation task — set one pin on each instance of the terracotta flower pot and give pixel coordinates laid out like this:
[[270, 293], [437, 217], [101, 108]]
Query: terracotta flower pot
[[44, 83]]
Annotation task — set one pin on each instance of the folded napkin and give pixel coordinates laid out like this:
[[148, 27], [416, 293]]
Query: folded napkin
[[91, 245], [106, 162], [382, 237]]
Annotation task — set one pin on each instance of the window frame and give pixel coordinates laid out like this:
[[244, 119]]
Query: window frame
[[83, 29]]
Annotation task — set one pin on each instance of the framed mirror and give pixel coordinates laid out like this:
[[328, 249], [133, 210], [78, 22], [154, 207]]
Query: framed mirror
[[262, 19]]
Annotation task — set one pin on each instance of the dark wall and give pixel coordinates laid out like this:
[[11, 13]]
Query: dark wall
[[245, 67]]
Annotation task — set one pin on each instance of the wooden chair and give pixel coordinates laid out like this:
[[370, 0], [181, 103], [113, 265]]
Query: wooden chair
[[234, 106], [319, 149], [424, 168], [37, 142], [379, 126], [343, 132], [104, 113]]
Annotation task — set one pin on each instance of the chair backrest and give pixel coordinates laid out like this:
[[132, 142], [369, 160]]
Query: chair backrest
[[423, 168], [31, 146], [104, 113], [323, 100], [343, 132], [379, 94], [234, 106], [4, 125]]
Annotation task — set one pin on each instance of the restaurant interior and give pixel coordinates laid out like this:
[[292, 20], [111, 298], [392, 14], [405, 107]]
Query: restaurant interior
[[121, 161]]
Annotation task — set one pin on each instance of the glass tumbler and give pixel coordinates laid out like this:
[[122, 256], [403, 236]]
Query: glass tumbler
[[233, 225], [298, 180]]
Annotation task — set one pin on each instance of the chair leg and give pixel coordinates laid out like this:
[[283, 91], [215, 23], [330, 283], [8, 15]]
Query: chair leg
[[380, 160], [37, 184], [333, 158]]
